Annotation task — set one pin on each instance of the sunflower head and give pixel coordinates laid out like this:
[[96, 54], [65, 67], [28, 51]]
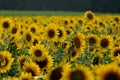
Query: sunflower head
[[89, 15]]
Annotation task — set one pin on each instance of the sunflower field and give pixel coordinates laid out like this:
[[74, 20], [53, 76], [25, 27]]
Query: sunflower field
[[81, 47]]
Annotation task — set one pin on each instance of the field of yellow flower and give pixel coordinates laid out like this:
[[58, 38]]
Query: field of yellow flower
[[64, 47]]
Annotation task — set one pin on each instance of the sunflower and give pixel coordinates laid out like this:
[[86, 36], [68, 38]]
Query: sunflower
[[89, 15], [46, 63], [80, 72], [22, 59], [5, 61], [31, 67], [106, 42], [6, 23], [79, 42], [25, 76], [51, 32], [93, 40], [15, 28], [34, 28], [28, 36], [80, 21], [107, 72], [36, 40], [72, 53], [115, 51], [62, 34], [56, 73], [38, 52]]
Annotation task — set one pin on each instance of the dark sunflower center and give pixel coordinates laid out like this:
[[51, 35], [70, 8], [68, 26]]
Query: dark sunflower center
[[14, 30], [22, 62], [80, 21], [38, 53], [117, 52], [92, 40], [111, 76], [51, 33], [116, 19], [76, 42], [25, 79], [29, 70], [60, 33], [56, 74], [43, 63], [68, 31], [90, 16], [104, 43], [6, 24], [77, 75], [66, 22], [33, 29], [28, 37], [35, 42], [74, 53]]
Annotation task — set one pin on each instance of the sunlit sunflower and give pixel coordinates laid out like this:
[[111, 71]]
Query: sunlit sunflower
[[93, 40], [51, 32], [80, 72], [106, 42], [28, 36], [56, 73], [15, 28], [108, 72], [89, 15], [115, 51], [80, 21], [5, 61], [79, 42], [25, 76], [46, 63], [34, 28], [62, 34], [38, 52], [6, 23], [31, 67], [116, 19], [72, 53], [22, 59], [36, 40]]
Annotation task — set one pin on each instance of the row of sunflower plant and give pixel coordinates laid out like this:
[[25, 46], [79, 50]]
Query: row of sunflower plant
[[83, 47]]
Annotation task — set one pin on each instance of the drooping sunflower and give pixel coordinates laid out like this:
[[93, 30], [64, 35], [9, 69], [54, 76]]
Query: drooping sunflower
[[5, 61], [51, 32], [38, 52], [46, 63], [79, 42], [56, 73], [6, 23], [80, 72], [115, 51], [108, 72], [25, 76], [93, 40], [106, 42], [31, 67], [89, 15]]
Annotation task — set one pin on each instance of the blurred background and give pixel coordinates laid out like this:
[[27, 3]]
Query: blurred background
[[111, 6]]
